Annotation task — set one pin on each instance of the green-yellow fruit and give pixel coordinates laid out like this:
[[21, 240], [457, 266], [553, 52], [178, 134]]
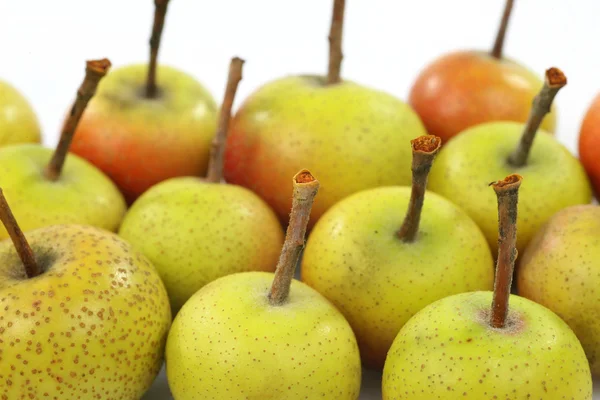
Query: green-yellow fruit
[[18, 122], [93, 325], [560, 269], [552, 178], [228, 342], [82, 194], [355, 259], [448, 351], [195, 232]]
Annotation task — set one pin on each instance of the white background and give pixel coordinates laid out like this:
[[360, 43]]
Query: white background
[[44, 43]]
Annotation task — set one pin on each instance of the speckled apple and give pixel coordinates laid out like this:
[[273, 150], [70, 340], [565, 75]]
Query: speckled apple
[[93, 325], [560, 269], [354, 258], [195, 231], [449, 351], [232, 344]]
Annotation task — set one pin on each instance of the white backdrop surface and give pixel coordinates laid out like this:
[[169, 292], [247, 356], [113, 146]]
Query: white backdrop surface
[[43, 46]]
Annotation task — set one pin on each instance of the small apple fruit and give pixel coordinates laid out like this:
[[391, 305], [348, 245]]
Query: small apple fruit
[[18, 122], [47, 188], [459, 347], [140, 132], [466, 88], [195, 231], [494, 149], [589, 143], [83, 315], [560, 269], [351, 136], [238, 339], [379, 271]]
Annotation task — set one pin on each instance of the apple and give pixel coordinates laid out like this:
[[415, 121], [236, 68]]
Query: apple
[[466, 88], [148, 123], [18, 122], [351, 136], [589, 143], [84, 316]]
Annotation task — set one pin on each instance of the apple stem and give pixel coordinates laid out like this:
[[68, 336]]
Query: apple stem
[[542, 103], [424, 150], [215, 165], [160, 11], [95, 70], [306, 187], [499, 42], [507, 192], [335, 42], [16, 234]]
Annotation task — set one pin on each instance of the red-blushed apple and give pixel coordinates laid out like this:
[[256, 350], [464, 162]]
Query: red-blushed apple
[[466, 88], [351, 136], [148, 123], [589, 143]]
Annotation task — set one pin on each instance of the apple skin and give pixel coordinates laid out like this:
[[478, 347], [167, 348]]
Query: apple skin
[[560, 269], [139, 142], [448, 351], [18, 122], [354, 258], [227, 342], [589, 143], [92, 326], [350, 136], [465, 88], [195, 232], [82, 195], [552, 179]]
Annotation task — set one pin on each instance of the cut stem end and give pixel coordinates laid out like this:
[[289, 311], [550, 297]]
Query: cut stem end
[[542, 105], [424, 150], [306, 187], [95, 70]]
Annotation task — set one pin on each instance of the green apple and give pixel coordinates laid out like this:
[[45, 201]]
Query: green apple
[[83, 316], [460, 347], [449, 351], [560, 269], [18, 122], [353, 137], [485, 151], [148, 123], [195, 232], [356, 258], [49, 187], [258, 335]]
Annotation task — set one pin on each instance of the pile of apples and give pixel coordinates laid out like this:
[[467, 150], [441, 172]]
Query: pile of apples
[[154, 232]]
